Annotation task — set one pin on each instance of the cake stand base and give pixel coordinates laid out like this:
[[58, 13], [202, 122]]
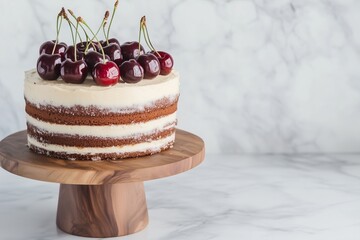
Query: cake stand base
[[103, 198], [108, 210]]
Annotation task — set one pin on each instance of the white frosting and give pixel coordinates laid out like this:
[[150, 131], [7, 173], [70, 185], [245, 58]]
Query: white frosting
[[154, 146], [121, 95], [107, 131]]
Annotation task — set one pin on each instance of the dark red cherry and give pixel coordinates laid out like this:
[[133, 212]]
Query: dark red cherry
[[74, 72], [48, 66], [131, 71], [119, 61], [70, 53], [113, 51], [92, 58], [97, 46], [106, 73], [114, 40], [48, 46], [103, 44], [150, 64], [166, 62], [110, 40], [130, 50], [81, 46]]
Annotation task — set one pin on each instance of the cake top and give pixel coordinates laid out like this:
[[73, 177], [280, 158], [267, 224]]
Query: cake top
[[59, 93], [32, 77]]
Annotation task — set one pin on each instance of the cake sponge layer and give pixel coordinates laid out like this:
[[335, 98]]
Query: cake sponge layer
[[90, 122]]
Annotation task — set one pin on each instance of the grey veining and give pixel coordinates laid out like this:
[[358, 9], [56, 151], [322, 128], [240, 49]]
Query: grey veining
[[230, 197], [257, 76]]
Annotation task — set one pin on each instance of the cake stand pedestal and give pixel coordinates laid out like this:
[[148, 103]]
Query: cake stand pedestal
[[104, 198]]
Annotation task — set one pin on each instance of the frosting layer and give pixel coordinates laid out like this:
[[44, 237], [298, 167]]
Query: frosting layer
[[79, 115], [94, 154], [106, 131], [122, 95], [90, 122]]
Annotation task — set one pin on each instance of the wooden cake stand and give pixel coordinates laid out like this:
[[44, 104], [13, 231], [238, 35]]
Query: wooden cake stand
[[105, 198]]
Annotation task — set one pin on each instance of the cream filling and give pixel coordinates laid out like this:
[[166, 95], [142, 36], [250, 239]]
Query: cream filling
[[122, 95], [155, 145], [106, 131]]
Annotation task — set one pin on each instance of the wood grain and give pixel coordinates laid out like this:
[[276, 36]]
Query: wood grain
[[105, 198], [15, 157], [108, 210]]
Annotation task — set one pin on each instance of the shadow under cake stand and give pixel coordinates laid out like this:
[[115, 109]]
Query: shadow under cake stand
[[104, 198]]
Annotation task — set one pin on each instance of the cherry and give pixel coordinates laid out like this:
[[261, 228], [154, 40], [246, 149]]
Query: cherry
[[48, 46], [114, 40], [54, 47], [102, 43], [95, 46], [106, 73], [131, 71], [113, 51], [48, 66], [166, 62], [81, 46], [73, 71], [165, 59], [110, 40], [98, 44], [119, 61], [150, 64], [70, 53], [130, 50], [92, 58]]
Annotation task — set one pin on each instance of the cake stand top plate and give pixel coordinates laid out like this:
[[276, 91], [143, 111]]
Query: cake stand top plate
[[15, 157]]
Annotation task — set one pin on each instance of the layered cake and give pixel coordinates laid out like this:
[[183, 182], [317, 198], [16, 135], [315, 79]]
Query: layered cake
[[91, 122], [99, 99]]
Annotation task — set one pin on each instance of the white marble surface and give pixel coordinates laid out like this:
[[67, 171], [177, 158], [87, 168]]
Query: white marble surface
[[297, 197], [257, 76]]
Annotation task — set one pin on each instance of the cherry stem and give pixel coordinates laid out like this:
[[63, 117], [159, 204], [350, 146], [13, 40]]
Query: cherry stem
[[58, 27], [97, 32], [104, 32], [79, 19], [146, 35], [86, 35], [75, 48], [112, 17], [94, 46], [72, 34], [140, 29], [70, 26], [73, 25], [57, 23]]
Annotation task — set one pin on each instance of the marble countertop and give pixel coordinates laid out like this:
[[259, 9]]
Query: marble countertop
[[227, 197]]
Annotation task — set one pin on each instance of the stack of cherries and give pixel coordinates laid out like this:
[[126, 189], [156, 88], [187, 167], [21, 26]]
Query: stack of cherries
[[107, 61]]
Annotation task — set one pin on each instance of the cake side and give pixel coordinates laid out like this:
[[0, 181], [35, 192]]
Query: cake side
[[119, 97], [85, 123]]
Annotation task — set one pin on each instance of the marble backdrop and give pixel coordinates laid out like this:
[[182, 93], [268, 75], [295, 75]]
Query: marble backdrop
[[257, 76]]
